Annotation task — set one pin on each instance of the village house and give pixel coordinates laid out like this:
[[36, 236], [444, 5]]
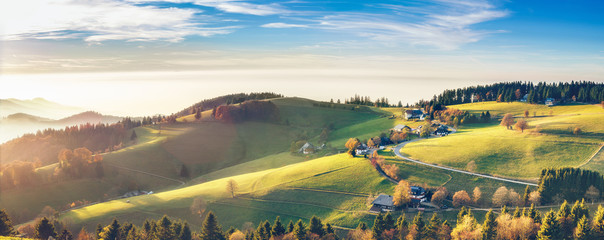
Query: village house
[[308, 148], [442, 130], [550, 102], [417, 195], [383, 203], [415, 114], [401, 128]]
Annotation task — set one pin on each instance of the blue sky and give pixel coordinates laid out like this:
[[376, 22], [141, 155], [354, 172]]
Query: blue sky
[[452, 43]]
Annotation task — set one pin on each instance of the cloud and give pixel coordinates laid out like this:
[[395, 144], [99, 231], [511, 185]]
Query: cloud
[[231, 6], [283, 25], [445, 24], [99, 20]]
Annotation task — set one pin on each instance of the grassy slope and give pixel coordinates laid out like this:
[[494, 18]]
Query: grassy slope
[[334, 188], [511, 153], [204, 146]]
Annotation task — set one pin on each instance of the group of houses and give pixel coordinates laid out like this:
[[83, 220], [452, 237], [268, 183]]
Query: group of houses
[[385, 203]]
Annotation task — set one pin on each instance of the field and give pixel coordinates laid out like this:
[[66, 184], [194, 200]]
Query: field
[[335, 188], [548, 142]]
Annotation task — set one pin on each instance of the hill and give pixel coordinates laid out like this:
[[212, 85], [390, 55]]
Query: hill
[[17, 124], [201, 146], [548, 142], [37, 107], [335, 188]]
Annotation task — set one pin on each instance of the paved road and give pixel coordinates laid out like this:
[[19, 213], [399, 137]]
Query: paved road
[[397, 151]]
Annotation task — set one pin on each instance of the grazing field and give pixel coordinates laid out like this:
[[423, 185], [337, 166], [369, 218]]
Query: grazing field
[[518, 108], [548, 142], [335, 188]]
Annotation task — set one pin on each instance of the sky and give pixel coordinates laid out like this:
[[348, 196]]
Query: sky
[[142, 57]]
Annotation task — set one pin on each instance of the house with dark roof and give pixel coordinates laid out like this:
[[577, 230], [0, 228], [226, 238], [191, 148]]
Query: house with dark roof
[[417, 195], [415, 114], [383, 203]]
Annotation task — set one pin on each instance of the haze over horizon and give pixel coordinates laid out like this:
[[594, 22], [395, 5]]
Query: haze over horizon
[[143, 57]]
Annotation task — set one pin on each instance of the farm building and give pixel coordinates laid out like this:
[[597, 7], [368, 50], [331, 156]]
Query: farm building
[[401, 128], [442, 130], [415, 114], [308, 148], [383, 203], [418, 195]]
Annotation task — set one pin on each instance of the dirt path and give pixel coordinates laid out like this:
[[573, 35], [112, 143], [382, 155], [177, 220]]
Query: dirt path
[[398, 148], [148, 173]]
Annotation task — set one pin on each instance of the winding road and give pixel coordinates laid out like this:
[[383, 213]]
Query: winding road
[[397, 151]]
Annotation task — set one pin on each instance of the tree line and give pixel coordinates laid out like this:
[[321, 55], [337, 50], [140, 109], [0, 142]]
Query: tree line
[[556, 184], [527, 223], [366, 100], [247, 111], [225, 100], [581, 91], [45, 145]]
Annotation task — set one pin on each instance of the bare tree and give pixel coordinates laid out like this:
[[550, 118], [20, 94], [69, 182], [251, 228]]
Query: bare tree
[[198, 206], [232, 187], [477, 195]]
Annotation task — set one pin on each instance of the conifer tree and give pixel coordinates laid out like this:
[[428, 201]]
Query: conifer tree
[[185, 232], [402, 226], [290, 227], [329, 229], [433, 227], [504, 210], [598, 224], [210, 229], [489, 228], [44, 229], [418, 227], [517, 212], [388, 222], [6, 226], [525, 197], [111, 231], [378, 225], [444, 232], [300, 231], [278, 228], [316, 226], [583, 229], [550, 228], [65, 235], [534, 214]]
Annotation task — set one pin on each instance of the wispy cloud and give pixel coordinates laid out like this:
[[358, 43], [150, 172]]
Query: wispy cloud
[[99, 20], [231, 6], [446, 24], [283, 25]]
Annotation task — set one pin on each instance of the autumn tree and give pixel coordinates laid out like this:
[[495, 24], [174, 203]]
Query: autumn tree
[[476, 195], [461, 198], [598, 224], [439, 196], [583, 229], [521, 125], [507, 121], [526, 113], [198, 207], [471, 166], [232, 187], [592, 193], [6, 226], [577, 131], [401, 193], [352, 144]]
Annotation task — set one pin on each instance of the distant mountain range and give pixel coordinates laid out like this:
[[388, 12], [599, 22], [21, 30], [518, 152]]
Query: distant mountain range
[[28, 116], [37, 107]]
